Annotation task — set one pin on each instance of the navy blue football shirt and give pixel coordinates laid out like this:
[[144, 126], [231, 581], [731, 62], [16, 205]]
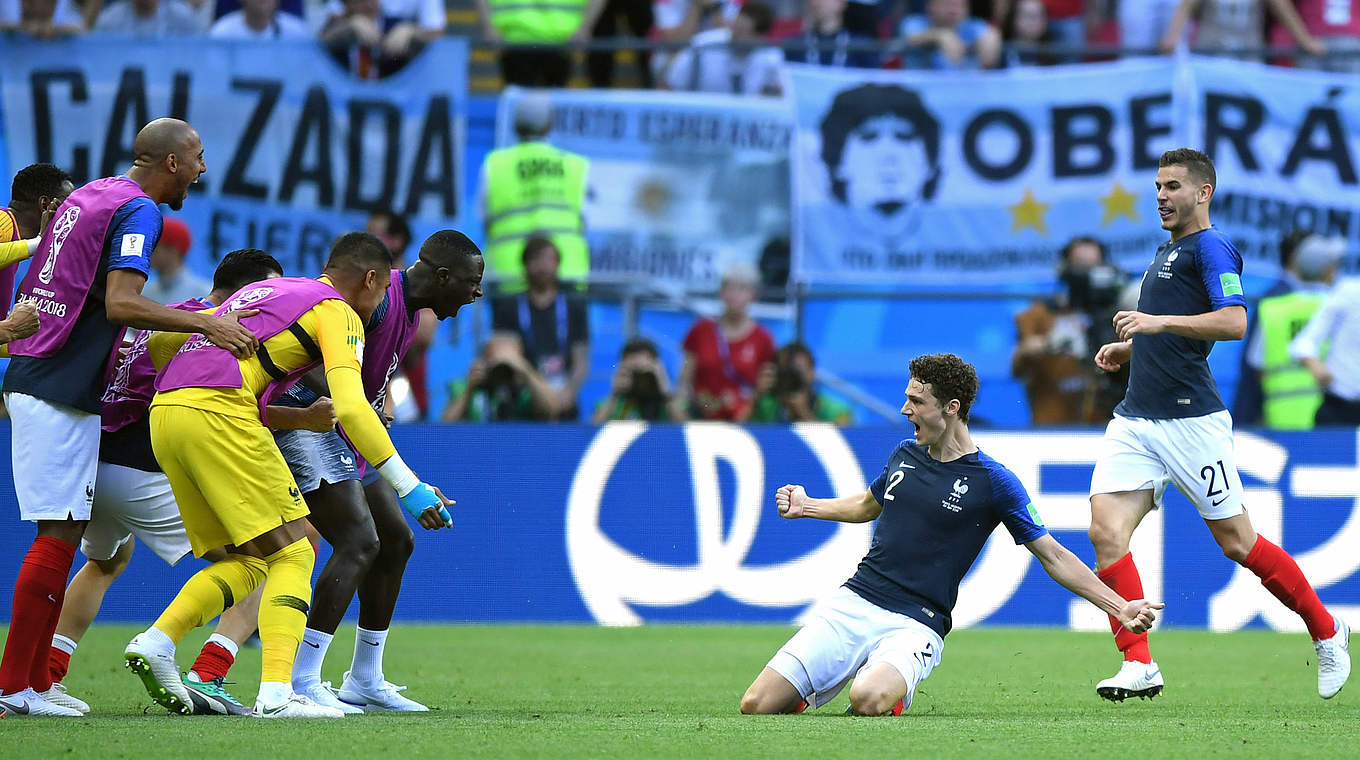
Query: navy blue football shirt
[[1169, 374], [75, 374], [936, 518]]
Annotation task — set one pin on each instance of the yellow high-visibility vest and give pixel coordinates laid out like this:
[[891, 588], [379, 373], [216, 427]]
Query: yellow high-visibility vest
[[1292, 396], [541, 21], [534, 188]]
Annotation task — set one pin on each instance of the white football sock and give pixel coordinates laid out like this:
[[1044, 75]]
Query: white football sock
[[368, 656], [63, 643], [311, 653]]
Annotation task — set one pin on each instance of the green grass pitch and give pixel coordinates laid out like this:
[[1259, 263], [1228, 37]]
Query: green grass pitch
[[672, 691]]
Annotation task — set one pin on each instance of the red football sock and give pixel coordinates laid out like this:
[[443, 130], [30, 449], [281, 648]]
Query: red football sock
[[1123, 578], [213, 662], [37, 604], [1281, 575], [40, 675], [58, 664]]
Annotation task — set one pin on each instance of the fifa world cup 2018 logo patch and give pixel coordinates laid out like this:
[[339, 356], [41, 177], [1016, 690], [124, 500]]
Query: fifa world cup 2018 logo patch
[[60, 230], [951, 502]]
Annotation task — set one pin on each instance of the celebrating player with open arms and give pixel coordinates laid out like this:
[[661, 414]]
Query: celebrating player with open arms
[[936, 502]]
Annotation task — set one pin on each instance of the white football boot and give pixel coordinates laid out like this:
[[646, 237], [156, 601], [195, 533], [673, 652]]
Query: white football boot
[[1134, 679], [30, 702], [296, 706], [58, 695], [152, 657], [384, 696], [321, 693], [1334, 660]]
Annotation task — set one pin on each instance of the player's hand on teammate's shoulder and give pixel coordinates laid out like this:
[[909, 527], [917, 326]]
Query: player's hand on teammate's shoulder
[[21, 322], [320, 416], [1138, 615], [227, 332], [1130, 323], [1112, 356], [790, 500]]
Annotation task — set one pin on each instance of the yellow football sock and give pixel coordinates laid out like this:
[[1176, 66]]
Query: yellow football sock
[[211, 590], [283, 610]]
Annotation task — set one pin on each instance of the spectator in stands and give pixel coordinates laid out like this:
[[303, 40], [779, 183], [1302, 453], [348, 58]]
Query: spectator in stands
[[722, 59], [946, 37], [40, 19], [677, 21], [827, 41], [786, 391], [1248, 402], [531, 188], [1287, 394], [1057, 341], [1229, 27], [637, 16], [1329, 348], [723, 357], [375, 39], [640, 389], [392, 229], [151, 19], [548, 25], [551, 325], [1336, 24], [173, 282], [1142, 23], [260, 20], [1065, 21], [501, 386], [1027, 35]]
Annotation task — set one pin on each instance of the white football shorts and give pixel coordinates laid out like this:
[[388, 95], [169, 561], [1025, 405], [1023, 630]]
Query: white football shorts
[[55, 453], [129, 502], [845, 634], [1194, 453]]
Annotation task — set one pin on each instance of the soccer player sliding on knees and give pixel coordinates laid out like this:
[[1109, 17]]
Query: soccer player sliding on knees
[[936, 501]]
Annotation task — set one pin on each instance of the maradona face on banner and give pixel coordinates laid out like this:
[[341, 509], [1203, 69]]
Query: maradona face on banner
[[678, 523]]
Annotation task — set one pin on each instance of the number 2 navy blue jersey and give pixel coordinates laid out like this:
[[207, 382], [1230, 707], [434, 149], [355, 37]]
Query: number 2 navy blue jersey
[[936, 517], [1169, 375]]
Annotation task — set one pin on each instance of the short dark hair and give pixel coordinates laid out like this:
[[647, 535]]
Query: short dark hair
[[1289, 245], [949, 377], [854, 106], [244, 266], [394, 223], [37, 180], [761, 15], [359, 252], [1083, 240], [445, 247], [795, 348], [640, 345], [1196, 163], [535, 243]]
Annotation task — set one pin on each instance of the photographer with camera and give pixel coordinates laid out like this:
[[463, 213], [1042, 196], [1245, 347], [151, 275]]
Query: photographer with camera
[[640, 390], [1057, 340], [501, 386], [786, 391]]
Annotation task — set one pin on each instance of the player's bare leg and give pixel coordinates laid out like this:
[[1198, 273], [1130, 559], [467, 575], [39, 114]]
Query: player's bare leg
[[1281, 576], [771, 694], [879, 689], [365, 683], [1114, 518]]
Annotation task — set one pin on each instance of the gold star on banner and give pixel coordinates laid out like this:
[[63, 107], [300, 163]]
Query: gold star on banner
[[1029, 212], [1119, 202]]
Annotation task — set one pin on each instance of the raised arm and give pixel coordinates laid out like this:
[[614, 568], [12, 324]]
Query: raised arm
[[1064, 567], [793, 502]]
